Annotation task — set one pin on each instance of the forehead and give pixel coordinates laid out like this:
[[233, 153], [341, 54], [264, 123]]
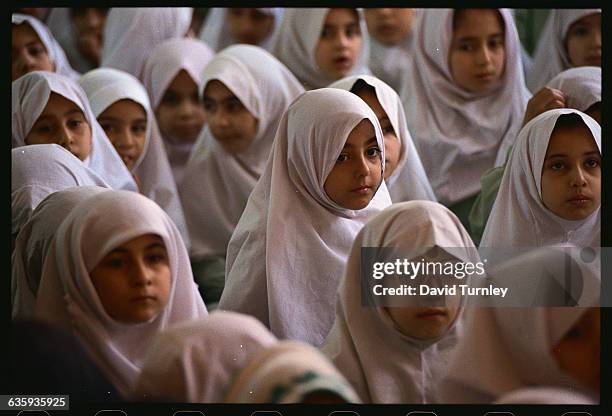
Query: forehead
[[340, 17], [591, 20], [571, 139], [125, 109], [141, 242], [183, 82], [372, 101], [58, 105], [24, 33], [477, 23], [361, 134], [217, 90]]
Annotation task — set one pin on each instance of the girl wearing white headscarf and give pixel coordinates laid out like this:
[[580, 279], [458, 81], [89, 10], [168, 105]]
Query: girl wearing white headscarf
[[54, 50], [131, 32], [289, 249], [195, 362], [383, 362], [408, 181], [217, 34], [162, 67], [519, 217], [296, 41], [67, 296], [29, 98], [106, 86], [217, 183], [33, 242], [551, 55], [458, 132]]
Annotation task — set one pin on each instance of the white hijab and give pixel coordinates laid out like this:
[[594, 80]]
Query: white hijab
[[551, 56], [67, 297], [296, 40], [545, 395], [518, 217], [287, 254], [29, 97], [215, 31], [33, 242], [55, 51], [195, 362], [217, 184], [581, 86], [383, 364], [106, 86], [131, 33], [60, 24], [163, 64], [458, 133], [409, 180]]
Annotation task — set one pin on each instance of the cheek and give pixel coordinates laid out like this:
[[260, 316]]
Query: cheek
[[323, 54], [165, 282]]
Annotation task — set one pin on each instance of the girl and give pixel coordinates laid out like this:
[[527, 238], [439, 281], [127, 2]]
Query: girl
[[404, 173], [50, 108], [118, 283], [196, 361], [550, 190], [33, 48], [131, 33], [323, 181], [322, 45], [464, 96], [245, 90], [399, 354], [171, 75], [121, 106], [226, 26]]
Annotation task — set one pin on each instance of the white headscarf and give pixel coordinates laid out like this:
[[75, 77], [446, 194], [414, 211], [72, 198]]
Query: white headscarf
[[67, 297], [215, 31], [544, 395], [195, 362], [551, 55], [33, 242], [581, 86], [217, 184], [55, 51], [29, 97], [518, 217], [288, 372], [131, 33], [106, 86], [287, 254], [163, 64], [61, 25], [458, 133], [383, 364], [409, 180], [296, 41]]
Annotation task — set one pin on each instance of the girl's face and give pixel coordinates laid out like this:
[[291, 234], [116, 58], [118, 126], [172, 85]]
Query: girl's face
[[28, 53], [125, 124], [230, 122], [583, 41], [180, 113], [578, 353], [357, 174], [89, 24], [62, 122], [389, 26], [340, 43], [249, 25], [133, 281], [571, 175], [477, 54], [392, 143]]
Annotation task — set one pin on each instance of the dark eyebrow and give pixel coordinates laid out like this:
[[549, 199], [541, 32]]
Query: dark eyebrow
[[371, 140], [74, 110], [562, 155], [156, 244], [591, 153]]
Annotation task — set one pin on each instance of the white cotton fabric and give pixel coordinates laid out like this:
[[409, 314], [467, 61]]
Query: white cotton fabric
[[196, 362], [544, 395], [29, 96], [296, 40], [458, 134], [215, 30], [106, 86], [131, 33], [551, 57], [383, 364], [518, 217], [217, 184], [286, 373], [163, 65], [286, 256], [408, 181], [60, 24], [581, 86], [67, 297], [34, 240], [55, 51]]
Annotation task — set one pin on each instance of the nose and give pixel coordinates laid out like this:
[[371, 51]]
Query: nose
[[65, 138], [597, 38], [362, 167], [141, 274], [219, 119], [342, 40], [578, 178], [26, 62], [484, 56], [187, 109], [124, 139]]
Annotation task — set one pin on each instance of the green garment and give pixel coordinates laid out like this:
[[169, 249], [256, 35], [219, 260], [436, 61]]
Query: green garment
[[209, 275], [462, 209], [479, 214]]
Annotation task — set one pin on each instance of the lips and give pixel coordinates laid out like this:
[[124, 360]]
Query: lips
[[580, 200], [343, 62], [594, 60], [432, 313], [487, 76], [144, 298], [362, 189]]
